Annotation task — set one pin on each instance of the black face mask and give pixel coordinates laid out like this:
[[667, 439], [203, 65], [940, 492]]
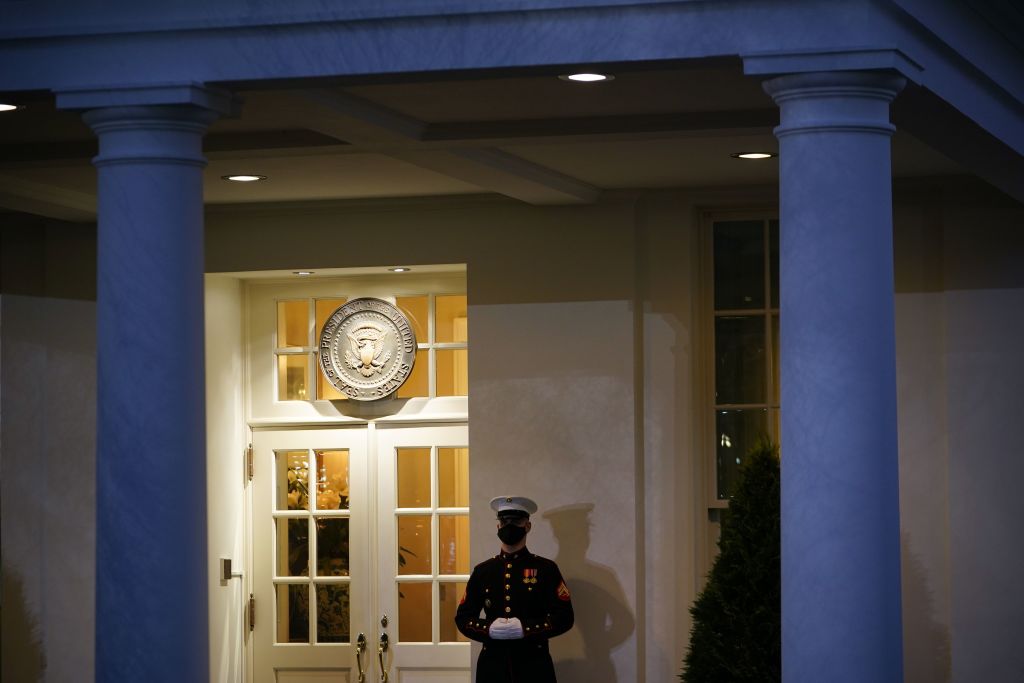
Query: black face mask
[[510, 534]]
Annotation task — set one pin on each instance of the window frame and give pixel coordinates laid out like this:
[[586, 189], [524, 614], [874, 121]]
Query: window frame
[[709, 316]]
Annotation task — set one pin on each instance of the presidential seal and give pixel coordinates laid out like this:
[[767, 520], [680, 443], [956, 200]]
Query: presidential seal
[[367, 349]]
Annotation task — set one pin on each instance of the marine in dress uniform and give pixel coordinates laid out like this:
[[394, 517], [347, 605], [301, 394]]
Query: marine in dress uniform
[[524, 600]]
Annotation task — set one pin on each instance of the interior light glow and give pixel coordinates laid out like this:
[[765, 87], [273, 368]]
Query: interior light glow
[[244, 178], [587, 77], [7, 107], [399, 269], [752, 155], [302, 272]]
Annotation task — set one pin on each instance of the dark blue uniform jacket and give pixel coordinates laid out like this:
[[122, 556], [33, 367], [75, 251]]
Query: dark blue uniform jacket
[[525, 586]]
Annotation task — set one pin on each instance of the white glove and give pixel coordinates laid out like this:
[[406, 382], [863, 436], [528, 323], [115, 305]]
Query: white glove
[[506, 629]]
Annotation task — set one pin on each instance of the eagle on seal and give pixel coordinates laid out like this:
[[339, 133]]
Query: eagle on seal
[[367, 354]]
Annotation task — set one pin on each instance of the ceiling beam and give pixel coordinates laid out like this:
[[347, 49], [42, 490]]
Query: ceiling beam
[[46, 200], [358, 121], [503, 173], [633, 126], [363, 123]]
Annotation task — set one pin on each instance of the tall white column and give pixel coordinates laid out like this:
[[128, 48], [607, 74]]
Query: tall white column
[[151, 585], [840, 509]]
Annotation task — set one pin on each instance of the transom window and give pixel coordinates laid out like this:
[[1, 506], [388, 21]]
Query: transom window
[[441, 325]]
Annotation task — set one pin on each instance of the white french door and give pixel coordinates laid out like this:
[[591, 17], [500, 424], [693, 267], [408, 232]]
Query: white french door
[[423, 527], [311, 561], [360, 534]]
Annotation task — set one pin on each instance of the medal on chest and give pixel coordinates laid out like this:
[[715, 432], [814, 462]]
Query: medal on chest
[[529, 576]]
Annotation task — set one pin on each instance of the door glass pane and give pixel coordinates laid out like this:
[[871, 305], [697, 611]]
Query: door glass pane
[[292, 371], [332, 613], [453, 544], [451, 324], [739, 265], [452, 372], [413, 477], [293, 547], [415, 309], [292, 324], [737, 431], [332, 480], [450, 595], [418, 384], [414, 612], [292, 613], [739, 359], [453, 477], [413, 544], [332, 546], [292, 480]]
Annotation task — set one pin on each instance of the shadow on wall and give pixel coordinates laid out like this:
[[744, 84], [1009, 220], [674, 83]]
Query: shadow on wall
[[603, 621], [926, 648], [22, 658]]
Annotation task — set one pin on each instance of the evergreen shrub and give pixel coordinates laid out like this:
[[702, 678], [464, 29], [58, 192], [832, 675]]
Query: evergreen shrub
[[737, 630]]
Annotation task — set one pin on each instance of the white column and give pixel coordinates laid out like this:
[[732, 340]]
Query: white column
[[151, 595], [840, 509]]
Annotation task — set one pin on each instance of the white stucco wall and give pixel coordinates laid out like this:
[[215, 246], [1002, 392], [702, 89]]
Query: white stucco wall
[[47, 490], [960, 294]]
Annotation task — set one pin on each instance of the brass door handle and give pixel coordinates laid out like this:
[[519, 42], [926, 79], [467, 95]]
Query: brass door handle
[[381, 649], [360, 647]]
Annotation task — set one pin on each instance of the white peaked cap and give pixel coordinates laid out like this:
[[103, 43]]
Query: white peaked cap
[[513, 504]]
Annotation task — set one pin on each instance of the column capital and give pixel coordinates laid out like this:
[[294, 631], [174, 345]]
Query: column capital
[[150, 134], [854, 101], [150, 124]]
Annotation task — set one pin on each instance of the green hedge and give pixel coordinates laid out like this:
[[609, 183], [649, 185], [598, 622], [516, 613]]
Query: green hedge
[[736, 636]]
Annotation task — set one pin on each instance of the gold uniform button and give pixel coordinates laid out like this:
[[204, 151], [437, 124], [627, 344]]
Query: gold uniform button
[[508, 598], [507, 610], [506, 586], [508, 566], [508, 576]]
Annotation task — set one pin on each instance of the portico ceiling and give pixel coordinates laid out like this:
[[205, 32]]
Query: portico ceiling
[[524, 134]]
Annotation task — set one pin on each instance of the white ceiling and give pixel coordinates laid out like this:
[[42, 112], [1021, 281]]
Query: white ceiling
[[530, 136]]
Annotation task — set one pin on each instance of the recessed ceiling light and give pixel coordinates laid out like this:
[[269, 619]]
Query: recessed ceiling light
[[7, 107], [302, 272], [244, 178], [587, 77], [752, 155], [400, 269]]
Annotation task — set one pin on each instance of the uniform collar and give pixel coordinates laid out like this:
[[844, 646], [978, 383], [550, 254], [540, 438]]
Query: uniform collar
[[518, 555]]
